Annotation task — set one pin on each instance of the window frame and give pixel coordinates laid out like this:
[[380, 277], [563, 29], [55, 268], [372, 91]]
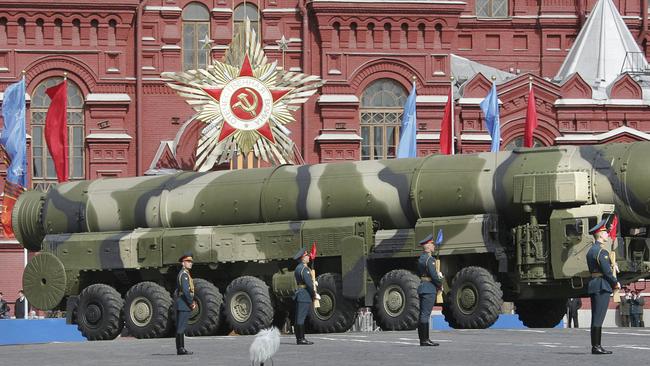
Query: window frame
[[368, 113], [198, 50], [239, 22], [490, 7], [76, 152]]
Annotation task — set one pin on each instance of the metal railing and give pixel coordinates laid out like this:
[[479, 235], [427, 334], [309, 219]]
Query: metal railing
[[635, 63]]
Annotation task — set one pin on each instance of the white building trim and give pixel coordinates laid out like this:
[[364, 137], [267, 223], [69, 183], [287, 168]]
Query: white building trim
[[163, 8], [328, 136], [578, 101], [467, 137], [473, 101], [431, 99], [338, 98], [108, 97], [603, 136], [2, 97], [109, 136]]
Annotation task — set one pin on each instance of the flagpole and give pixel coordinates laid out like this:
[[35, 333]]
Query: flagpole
[[65, 75], [25, 254], [530, 83], [452, 105]]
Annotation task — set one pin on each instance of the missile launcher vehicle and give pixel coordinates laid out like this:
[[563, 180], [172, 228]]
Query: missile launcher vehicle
[[515, 227]]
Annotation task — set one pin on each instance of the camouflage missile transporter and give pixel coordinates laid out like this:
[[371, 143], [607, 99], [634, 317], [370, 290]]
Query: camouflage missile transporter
[[515, 229]]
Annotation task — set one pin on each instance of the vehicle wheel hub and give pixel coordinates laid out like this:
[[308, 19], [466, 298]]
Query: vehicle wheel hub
[[241, 307], [394, 301], [93, 313]]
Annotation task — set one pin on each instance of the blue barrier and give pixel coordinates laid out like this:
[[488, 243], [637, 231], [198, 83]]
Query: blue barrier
[[22, 331], [505, 321]]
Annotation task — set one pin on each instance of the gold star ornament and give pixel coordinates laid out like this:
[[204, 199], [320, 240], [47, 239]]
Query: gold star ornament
[[245, 102]]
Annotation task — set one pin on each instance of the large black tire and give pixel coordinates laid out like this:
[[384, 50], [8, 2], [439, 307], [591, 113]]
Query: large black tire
[[99, 314], [396, 303], [204, 319], [147, 312], [248, 305], [474, 301], [336, 313], [541, 313]]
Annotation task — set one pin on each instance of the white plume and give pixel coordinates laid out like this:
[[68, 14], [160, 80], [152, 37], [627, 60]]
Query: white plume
[[265, 345]]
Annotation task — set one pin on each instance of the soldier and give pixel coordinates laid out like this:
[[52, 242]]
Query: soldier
[[624, 308], [601, 284], [636, 308], [304, 296], [4, 308], [184, 301], [430, 283], [573, 304]]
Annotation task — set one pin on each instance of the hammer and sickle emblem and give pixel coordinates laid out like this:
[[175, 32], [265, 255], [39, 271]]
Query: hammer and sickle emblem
[[246, 105]]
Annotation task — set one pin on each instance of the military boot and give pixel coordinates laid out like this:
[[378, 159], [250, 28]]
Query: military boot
[[300, 335], [423, 334], [180, 345], [596, 348]]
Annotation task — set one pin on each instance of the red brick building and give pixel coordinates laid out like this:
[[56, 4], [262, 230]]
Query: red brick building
[[124, 120]]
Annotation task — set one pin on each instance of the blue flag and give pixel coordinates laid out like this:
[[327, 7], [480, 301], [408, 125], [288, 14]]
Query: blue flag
[[13, 137], [407, 143], [490, 108], [439, 238]]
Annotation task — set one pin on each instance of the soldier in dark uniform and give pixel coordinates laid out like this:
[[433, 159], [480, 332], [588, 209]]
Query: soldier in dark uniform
[[430, 283], [636, 308], [184, 301], [304, 296], [601, 284], [572, 306]]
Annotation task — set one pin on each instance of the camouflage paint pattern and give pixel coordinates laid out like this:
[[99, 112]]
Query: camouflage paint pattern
[[146, 222]]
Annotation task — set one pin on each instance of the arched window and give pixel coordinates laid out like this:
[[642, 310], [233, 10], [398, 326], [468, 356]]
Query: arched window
[[491, 8], [519, 142], [43, 167], [382, 104], [243, 11], [196, 36]]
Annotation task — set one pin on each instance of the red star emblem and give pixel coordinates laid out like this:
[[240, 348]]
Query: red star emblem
[[227, 129]]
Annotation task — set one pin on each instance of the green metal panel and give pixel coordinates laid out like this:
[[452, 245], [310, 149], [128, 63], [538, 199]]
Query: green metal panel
[[467, 234], [110, 250], [552, 187], [328, 234], [256, 242], [571, 239], [177, 241], [354, 266], [150, 245]]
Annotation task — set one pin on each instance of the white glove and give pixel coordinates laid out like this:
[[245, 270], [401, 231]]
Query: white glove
[[616, 270], [315, 283], [317, 297], [440, 275]]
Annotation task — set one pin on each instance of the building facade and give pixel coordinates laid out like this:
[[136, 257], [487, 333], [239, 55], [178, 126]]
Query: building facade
[[124, 121]]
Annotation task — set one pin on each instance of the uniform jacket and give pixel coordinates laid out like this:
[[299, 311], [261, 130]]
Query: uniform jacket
[[19, 308], [624, 307], [302, 273], [598, 262], [184, 291], [4, 309], [427, 268], [574, 304], [637, 305]]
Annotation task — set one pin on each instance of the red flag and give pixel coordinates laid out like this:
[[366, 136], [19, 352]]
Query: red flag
[[56, 129], [10, 195], [312, 253], [446, 139], [531, 120], [613, 229]]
